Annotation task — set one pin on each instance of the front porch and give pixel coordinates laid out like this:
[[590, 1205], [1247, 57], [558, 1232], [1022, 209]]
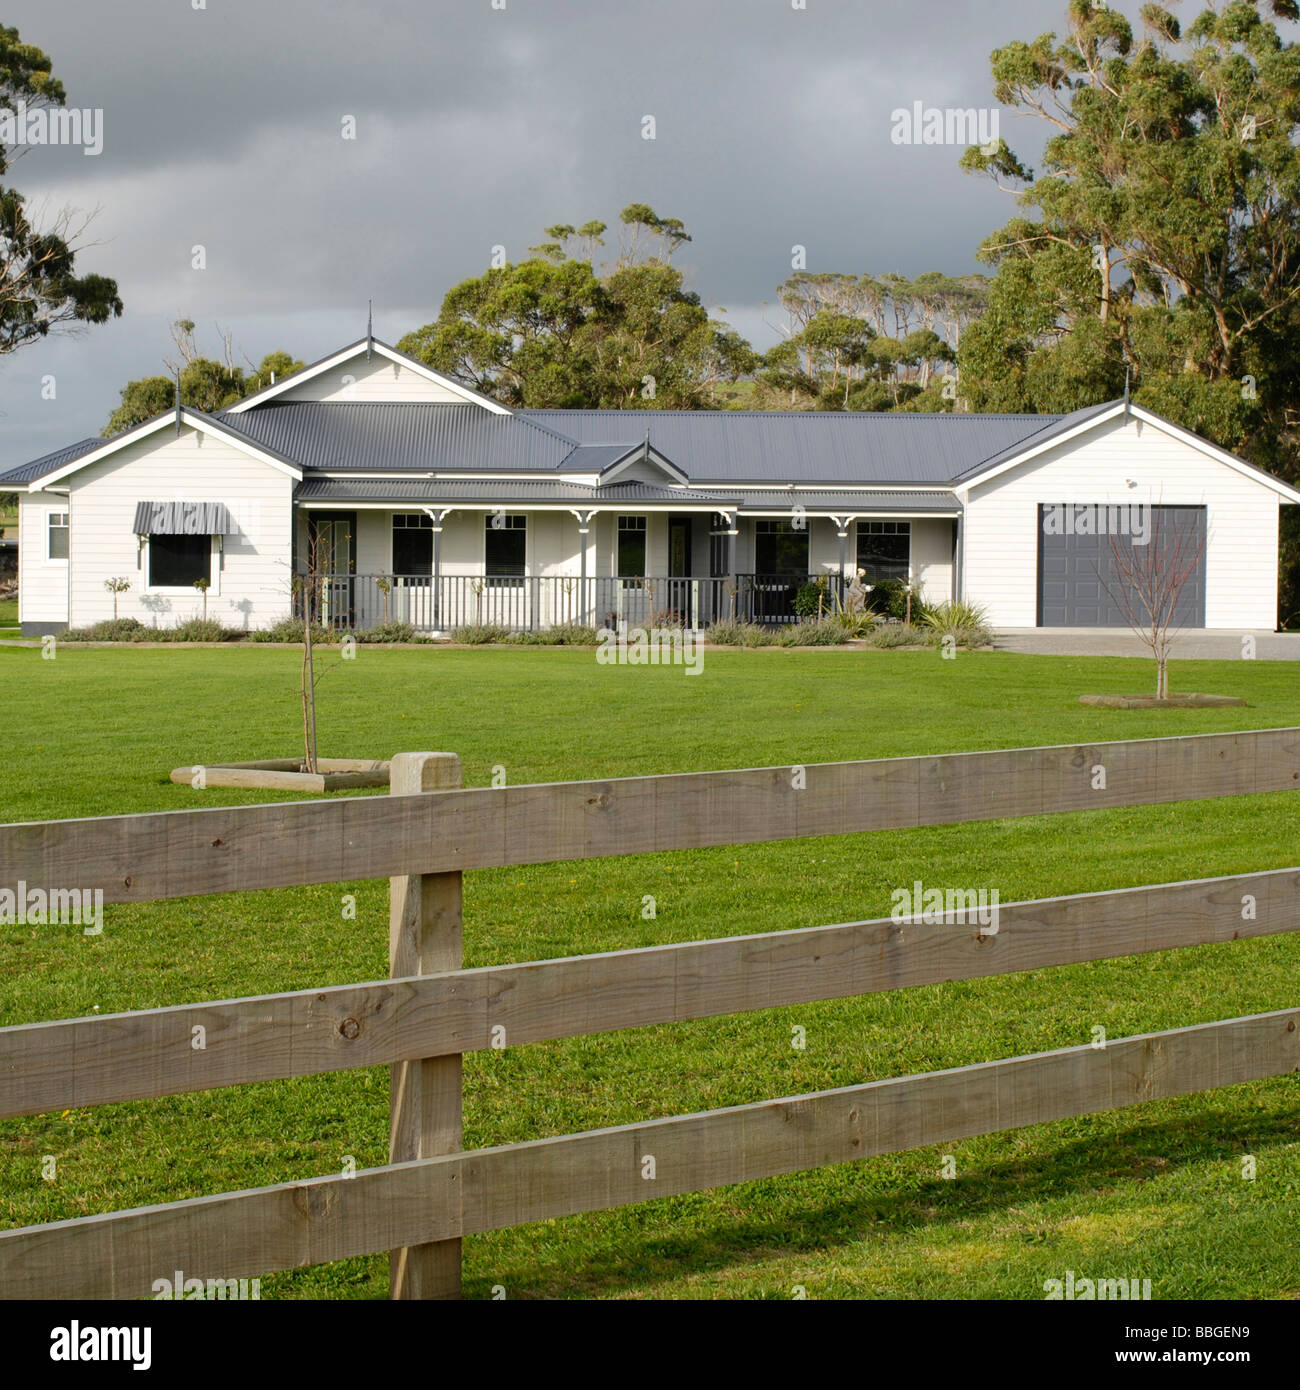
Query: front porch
[[359, 602], [526, 570]]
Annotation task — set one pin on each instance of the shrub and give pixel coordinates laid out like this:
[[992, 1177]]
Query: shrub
[[812, 598], [199, 630], [888, 635], [889, 598], [112, 630], [825, 633], [480, 634], [966, 622], [734, 634], [391, 631], [290, 630], [562, 635]]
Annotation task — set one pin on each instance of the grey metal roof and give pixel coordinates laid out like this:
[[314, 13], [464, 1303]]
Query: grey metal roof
[[805, 446], [402, 437], [1052, 426], [38, 468], [851, 503], [436, 491]]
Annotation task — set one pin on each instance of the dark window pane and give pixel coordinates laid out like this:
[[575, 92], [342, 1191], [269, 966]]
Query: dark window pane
[[412, 551], [506, 548], [884, 550], [58, 549], [631, 553], [780, 549], [177, 561]]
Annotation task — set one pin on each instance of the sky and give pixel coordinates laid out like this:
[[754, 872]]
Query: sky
[[478, 123]]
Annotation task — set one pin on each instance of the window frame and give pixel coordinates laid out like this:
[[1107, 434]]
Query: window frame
[[506, 581], [48, 526], [878, 526], [176, 590]]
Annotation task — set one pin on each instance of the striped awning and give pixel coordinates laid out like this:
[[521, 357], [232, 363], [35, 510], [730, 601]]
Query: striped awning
[[183, 519]]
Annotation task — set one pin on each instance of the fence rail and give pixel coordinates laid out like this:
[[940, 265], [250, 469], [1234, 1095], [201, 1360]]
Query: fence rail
[[431, 1011], [443, 602]]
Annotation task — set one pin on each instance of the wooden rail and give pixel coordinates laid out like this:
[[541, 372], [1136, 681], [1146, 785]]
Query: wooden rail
[[430, 1194], [73, 1063], [174, 854], [291, 1225]]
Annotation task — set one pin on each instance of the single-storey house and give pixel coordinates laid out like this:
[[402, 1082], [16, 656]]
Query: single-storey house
[[413, 498]]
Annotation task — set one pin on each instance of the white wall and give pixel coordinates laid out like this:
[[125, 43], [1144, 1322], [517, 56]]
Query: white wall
[[376, 380], [42, 582], [1001, 535], [251, 588]]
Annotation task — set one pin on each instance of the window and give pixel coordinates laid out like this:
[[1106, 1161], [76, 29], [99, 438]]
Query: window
[[505, 550], [412, 544], [175, 562], [57, 548], [780, 547], [631, 546], [884, 550], [718, 537]]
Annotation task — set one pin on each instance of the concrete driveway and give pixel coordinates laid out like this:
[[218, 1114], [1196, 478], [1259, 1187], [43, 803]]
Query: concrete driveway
[[1188, 646]]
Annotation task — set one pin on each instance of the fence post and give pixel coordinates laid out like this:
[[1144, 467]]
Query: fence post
[[424, 936]]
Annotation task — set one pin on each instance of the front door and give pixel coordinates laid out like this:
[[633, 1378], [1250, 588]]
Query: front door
[[332, 563], [679, 568]]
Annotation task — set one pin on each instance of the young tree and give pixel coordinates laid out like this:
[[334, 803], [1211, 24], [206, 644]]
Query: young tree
[[1149, 583]]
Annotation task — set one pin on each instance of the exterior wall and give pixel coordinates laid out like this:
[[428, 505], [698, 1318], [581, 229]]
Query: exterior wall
[[376, 380], [250, 580], [1001, 538], [932, 557], [42, 583]]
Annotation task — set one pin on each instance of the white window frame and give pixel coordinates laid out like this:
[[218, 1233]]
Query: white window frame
[[47, 522], [882, 521]]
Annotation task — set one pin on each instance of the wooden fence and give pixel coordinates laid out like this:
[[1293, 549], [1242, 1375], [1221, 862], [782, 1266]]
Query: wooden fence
[[431, 1011]]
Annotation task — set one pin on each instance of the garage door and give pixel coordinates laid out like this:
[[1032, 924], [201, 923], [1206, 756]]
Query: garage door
[[1079, 583]]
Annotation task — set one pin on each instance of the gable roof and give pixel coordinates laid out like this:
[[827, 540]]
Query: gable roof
[[38, 468], [78, 458], [368, 345], [406, 436], [1081, 421], [784, 446]]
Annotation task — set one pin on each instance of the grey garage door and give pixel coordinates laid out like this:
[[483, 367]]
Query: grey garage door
[[1079, 584]]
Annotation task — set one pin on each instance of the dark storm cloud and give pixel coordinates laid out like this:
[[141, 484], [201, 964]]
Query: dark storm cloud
[[477, 127]]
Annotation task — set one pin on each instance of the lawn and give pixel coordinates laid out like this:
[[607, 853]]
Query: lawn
[[8, 617], [1154, 1191]]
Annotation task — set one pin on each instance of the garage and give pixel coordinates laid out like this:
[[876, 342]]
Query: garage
[[1079, 579]]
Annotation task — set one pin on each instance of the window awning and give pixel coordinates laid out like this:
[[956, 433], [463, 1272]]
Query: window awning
[[183, 519]]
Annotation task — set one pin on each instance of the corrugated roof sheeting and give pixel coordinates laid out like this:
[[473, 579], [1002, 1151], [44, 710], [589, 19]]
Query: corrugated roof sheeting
[[431, 492], [809, 446], [851, 503], [401, 436], [38, 468]]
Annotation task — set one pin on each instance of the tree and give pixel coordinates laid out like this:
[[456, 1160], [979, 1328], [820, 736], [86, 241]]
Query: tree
[[39, 288], [1150, 580], [206, 383], [1161, 240], [557, 331]]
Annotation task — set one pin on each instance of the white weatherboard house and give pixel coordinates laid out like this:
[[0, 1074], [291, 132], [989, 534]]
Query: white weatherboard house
[[418, 500]]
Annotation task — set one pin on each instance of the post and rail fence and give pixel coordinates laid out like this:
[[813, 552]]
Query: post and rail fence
[[431, 1011]]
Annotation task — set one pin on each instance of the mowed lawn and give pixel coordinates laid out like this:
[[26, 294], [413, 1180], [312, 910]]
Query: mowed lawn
[[1156, 1191]]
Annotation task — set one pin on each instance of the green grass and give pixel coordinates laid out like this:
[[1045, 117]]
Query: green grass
[[9, 617], [1154, 1191]]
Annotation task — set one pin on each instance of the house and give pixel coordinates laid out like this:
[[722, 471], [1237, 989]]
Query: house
[[413, 498]]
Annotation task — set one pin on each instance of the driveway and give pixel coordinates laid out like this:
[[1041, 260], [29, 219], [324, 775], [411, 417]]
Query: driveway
[[1188, 646]]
